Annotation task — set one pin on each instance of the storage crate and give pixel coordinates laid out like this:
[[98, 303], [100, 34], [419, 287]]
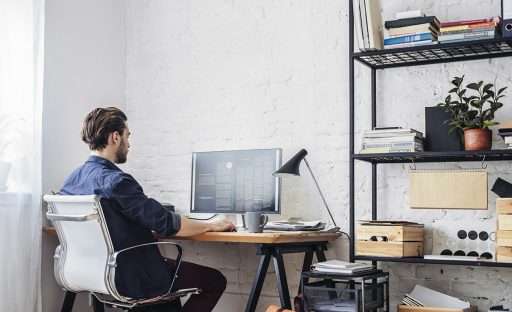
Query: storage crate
[[342, 298], [347, 293]]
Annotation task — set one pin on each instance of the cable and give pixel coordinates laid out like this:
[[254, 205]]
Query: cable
[[202, 219]]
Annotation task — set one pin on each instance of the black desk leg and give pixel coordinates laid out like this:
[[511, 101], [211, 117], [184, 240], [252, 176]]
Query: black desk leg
[[320, 256], [258, 284], [306, 266], [282, 284], [69, 299]]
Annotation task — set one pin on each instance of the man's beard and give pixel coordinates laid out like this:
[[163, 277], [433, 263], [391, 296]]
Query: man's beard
[[122, 153]]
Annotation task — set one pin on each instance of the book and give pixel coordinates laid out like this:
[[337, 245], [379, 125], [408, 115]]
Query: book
[[390, 131], [374, 22], [411, 137], [466, 39], [383, 150], [411, 29], [470, 26], [454, 258], [468, 31], [412, 21], [469, 22], [358, 30], [426, 36], [394, 145], [474, 36], [409, 14], [364, 23], [409, 44], [338, 266]]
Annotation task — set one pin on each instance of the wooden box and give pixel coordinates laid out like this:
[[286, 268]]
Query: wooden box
[[505, 222], [504, 238], [389, 249], [504, 205], [404, 308], [504, 254], [393, 233], [395, 240]]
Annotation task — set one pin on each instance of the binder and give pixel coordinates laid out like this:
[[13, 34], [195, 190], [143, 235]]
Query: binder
[[506, 15], [448, 189]]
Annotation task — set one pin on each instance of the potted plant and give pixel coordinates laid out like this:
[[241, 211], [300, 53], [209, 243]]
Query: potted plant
[[472, 114]]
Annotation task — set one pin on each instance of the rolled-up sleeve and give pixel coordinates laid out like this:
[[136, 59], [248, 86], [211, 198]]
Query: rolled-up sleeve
[[139, 208]]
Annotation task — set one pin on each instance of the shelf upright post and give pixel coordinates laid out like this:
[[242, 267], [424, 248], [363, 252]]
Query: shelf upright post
[[351, 130], [374, 124]]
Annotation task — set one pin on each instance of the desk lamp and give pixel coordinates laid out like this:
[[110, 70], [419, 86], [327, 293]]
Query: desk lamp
[[291, 168]]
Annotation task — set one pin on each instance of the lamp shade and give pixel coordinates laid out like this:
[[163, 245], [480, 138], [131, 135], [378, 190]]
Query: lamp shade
[[291, 167]]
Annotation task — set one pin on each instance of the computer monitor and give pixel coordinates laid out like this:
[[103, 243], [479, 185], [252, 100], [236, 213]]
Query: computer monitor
[[236, 181]]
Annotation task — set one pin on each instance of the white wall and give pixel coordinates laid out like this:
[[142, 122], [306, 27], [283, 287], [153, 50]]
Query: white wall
[[218, 74], [84, 68]]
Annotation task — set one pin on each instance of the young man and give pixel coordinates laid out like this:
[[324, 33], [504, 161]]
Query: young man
[[132, 216]]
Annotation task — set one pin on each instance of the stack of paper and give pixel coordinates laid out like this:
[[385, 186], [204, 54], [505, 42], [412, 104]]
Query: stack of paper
[[338, 266], [423, 296], [293, 224]]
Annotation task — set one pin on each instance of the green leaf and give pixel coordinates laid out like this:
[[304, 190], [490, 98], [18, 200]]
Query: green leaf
[[453, 90], [501, 90], [480, 83], [473, 86], [488, 87]]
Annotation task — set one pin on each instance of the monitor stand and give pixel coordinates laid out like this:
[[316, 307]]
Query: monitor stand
[[240, 221]]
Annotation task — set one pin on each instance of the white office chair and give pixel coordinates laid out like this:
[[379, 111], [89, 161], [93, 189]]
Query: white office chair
[[85, 260]]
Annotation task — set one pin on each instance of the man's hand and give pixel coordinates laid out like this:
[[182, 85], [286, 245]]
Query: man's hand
[[223, 226], [193, 227]]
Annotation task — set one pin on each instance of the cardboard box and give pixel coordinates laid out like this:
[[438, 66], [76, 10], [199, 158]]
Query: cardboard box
[[393, 233], [389, 249], [504, 254], [504, 205], [404, 308]]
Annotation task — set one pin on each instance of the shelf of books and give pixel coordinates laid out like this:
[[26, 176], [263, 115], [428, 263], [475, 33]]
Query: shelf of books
[[432, 261], [492, 155]]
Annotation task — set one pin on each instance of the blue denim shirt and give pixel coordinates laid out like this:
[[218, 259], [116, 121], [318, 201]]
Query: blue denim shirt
[[131, 217]]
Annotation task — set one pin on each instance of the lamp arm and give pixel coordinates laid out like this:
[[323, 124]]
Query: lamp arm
[[319, 191]]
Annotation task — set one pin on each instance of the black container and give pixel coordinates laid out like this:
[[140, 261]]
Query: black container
[[437, 138]]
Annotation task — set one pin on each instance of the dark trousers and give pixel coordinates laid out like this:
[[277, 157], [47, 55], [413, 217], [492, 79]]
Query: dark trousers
[[191, 275]]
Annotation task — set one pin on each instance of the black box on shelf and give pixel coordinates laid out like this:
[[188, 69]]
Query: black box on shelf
[[341, 292], [437, 138]]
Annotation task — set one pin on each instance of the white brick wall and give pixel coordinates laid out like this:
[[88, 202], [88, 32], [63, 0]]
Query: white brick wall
[[215, 75]]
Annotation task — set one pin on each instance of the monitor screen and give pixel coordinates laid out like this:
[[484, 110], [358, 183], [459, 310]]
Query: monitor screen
[[236, 181]]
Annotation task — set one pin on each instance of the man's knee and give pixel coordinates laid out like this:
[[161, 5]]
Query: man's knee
[[220, 280]]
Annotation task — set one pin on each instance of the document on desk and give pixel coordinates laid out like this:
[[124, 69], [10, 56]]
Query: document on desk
[[294, 225]]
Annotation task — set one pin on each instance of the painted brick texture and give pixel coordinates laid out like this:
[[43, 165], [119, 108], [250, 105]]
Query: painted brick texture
[[220, 75]]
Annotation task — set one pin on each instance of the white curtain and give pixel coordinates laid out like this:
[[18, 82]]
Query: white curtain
[[21, 72]]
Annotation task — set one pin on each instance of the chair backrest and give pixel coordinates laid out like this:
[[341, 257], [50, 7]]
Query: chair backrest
[[81, 260]]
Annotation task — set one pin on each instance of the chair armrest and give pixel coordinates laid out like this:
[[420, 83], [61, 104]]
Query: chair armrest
[[113, 258], [80, 218]]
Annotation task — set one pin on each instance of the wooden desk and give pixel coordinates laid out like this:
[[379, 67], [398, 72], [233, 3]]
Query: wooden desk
[[268, 245]]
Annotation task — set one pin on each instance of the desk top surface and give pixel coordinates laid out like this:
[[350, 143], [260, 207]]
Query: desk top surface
[[246, 237]]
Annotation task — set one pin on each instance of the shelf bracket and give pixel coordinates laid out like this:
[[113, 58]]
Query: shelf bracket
[[483, 160]]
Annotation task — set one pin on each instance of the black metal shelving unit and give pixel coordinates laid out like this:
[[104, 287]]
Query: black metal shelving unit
[[405, 57]]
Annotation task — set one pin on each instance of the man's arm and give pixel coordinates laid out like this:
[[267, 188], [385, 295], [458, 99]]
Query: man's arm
[[192, 227]]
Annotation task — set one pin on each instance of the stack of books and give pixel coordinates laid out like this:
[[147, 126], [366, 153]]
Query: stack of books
[[468, 30], [340, 267], [391, 140], [411, 29], [505, 131]]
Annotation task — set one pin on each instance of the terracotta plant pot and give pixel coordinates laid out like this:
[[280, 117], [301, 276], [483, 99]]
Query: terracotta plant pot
[[477, 139]]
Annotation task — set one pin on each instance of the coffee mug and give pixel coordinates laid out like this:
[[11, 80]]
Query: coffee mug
[[255, 221]]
